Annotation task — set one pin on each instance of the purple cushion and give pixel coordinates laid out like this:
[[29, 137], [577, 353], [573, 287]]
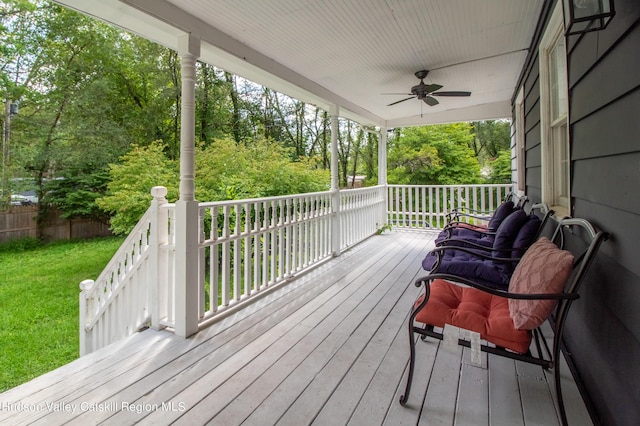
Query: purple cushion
[[503, 210], [483, 271], [526, 236], [460, 238], [507, 232], [463, 264], [461, 231]]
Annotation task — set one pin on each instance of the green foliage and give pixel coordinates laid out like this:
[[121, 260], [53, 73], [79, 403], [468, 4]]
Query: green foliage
[[490, 137], [410, 164], [383, 228], [39, 299], [89, 93], [20, 245], [501, 168], [131, 180], [433, 155], [224, 171], [76, 194], [213, 116]]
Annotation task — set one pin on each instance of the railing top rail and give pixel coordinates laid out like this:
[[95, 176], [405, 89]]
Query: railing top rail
[[207, 204], [280, 197], [125, 248], [460, 185], [363, 189], [264, 199]]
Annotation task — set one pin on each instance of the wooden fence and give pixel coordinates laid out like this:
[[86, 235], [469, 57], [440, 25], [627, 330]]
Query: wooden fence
[[20, 222]]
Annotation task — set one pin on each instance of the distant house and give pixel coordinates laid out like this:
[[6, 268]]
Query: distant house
[[356, 181]]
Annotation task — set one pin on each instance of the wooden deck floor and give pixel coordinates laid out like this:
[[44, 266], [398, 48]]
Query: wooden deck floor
[[329, 348]]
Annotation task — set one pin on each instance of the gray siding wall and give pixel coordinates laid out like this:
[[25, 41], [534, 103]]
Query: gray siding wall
[[603, 331]]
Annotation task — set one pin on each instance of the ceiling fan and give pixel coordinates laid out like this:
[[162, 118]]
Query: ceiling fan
[[426, 92]]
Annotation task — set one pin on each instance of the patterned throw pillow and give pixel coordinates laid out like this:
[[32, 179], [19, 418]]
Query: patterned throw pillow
[[544, 268]]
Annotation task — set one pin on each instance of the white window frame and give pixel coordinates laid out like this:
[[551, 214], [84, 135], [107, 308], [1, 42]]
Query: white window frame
[[519, 147], [556, 160]]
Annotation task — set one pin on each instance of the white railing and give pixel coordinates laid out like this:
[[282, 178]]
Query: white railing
[[427, 206], [116, 304], [124, 298], [362, 213], [249, 246]]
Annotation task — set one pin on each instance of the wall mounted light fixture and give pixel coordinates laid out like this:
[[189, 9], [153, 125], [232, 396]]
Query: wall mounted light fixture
[[582, 16]]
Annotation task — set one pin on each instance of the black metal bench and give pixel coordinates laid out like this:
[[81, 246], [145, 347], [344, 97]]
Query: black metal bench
[[524, 298]]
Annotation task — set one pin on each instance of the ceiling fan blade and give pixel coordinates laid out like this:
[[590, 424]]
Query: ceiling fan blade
[[451, 93], [432, 87], [431, 101], [401, 100]]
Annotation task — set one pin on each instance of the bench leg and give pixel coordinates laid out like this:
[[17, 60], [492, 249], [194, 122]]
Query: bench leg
[[412, 345], [412, 360], [558, 383]]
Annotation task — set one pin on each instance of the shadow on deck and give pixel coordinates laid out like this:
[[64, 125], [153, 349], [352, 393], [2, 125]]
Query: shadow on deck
[[328, 348]]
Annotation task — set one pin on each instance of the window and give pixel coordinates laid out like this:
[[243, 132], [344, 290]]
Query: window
[[554, 117]]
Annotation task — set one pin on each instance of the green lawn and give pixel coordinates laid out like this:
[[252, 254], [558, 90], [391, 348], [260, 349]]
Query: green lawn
[[39, 288]]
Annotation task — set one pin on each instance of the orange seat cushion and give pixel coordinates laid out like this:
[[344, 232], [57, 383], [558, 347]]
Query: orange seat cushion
[[474, 310]]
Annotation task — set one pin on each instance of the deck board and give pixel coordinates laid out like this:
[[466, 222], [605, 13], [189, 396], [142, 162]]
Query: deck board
[[473, 393], [329, 347], [536, 397], [442, 391], [505, 407]]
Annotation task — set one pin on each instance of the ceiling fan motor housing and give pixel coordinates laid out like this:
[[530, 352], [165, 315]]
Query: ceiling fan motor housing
[[419, 90]]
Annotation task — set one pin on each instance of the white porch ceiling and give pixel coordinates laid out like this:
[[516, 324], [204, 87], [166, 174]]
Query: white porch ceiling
[[350, 52]]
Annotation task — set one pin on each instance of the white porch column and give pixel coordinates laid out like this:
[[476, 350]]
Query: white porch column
[[382, 157], [186, 292], [382, 174], [158, 257], [335, 183]]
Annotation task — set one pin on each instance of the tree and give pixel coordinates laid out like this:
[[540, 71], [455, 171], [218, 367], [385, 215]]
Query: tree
[[320, 134], [75, 194], [235, 121], [217, 105], [370, 157], [291, 119], [490, 138], [139, 82], [130, 183], [358, 142], [501, 168], [87, 92], [15, 62], [225, 170], [433, 155], [64, 58]]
